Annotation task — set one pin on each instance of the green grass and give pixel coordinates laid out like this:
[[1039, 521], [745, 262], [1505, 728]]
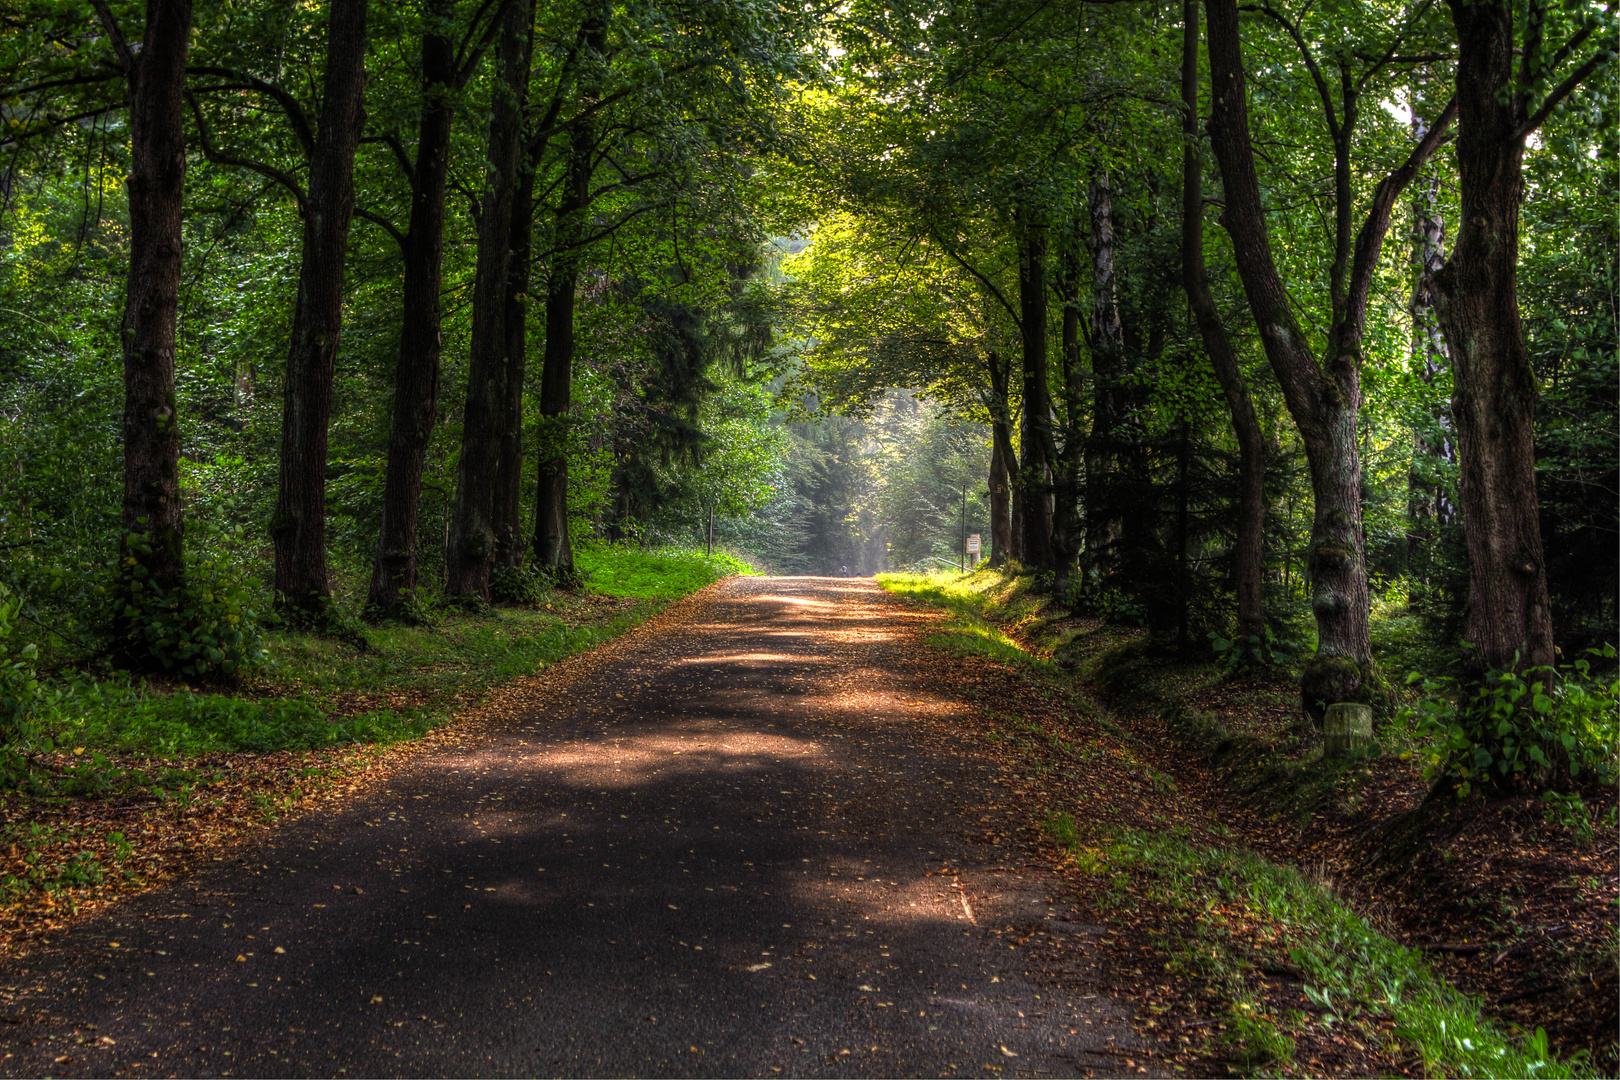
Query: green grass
[[322, 691], [971, 599], [661, 574], [1354, 977]]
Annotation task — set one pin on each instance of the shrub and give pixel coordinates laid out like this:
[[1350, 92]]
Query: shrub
[[207, 628], [524, 585], [19, 685], [1538, 728]]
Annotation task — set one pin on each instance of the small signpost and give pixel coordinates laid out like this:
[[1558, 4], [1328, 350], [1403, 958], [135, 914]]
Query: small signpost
[[973, 549]]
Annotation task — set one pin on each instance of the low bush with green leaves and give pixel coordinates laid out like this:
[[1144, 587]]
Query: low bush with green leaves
[[209, 627], [1540, 728], [19, 683]]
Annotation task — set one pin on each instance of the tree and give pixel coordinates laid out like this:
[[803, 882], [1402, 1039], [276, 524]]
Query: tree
[[473, 531], [447, 65], [298, 528], [1323, 398], [1494, 389], [153, 556]]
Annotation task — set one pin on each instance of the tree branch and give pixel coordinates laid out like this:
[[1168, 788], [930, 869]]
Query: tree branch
[[468, 61], [1310, 62], [53, 122], [1559, 93], [402, 159], [289, 104], [126, 59], [77, 80], [1370, 240], [384, 224], [217, 157], [988, 284]]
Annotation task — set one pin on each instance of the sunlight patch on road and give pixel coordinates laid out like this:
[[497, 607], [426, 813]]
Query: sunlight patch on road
[[631, 762]]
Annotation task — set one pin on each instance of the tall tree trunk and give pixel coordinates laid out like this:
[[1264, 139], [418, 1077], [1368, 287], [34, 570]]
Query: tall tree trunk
[[1428, 503], [1248, 545], [1508, 621], [1034, 473], [472, 530], [298, 529], [1107, 371], [1324, 399], [416, 377], [510, 546], [552, 549], [153, 557]]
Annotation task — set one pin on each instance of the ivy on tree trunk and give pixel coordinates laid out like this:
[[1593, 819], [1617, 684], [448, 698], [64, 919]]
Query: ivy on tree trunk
[[153, 557]]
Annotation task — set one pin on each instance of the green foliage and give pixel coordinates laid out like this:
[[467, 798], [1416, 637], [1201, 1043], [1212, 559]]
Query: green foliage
[[1568, 810], [1250, 651], [207, 628], [528, 585], [19, 682], [1536, 728]]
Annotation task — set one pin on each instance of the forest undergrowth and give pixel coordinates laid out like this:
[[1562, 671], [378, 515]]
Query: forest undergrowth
[[126, 783], [1311, 918]]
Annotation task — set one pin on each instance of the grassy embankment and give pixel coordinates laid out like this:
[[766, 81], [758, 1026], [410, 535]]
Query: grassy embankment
[[126, 782], [1232, 915]]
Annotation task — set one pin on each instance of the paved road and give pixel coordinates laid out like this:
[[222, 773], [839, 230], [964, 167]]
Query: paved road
[[741, 849]]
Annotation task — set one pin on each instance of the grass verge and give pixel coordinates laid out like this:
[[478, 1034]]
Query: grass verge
[[971, 598], [1252, 917]]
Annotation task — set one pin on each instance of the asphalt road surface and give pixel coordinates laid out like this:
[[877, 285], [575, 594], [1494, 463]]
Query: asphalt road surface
[[742, 848]]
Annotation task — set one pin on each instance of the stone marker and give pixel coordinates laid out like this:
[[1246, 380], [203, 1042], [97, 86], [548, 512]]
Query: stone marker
[[1348, 732]]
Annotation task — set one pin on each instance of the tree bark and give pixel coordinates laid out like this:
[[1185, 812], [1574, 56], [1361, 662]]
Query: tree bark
[[1034, 474], [1323, 399], [1248, 544], [298, 529], [1508, 621], [153, 555], [510, 546], [416, 377], [552, 549], [472, 530], [1103, 526]]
